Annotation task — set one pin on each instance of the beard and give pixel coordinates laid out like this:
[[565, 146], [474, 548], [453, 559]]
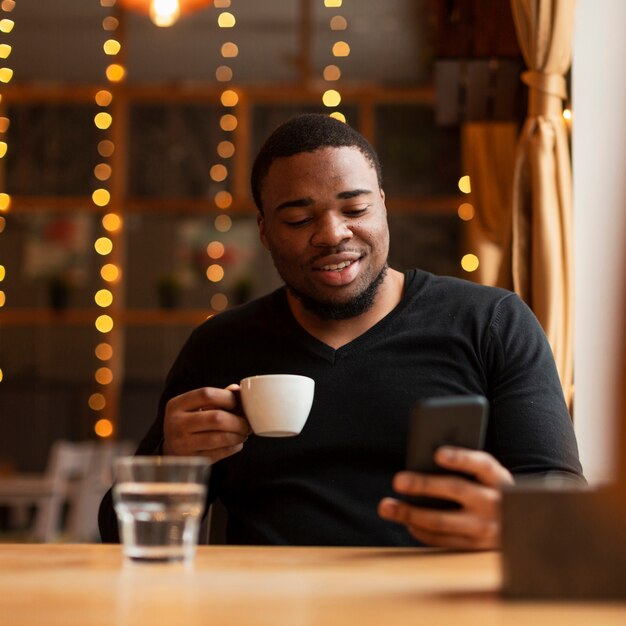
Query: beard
[[329, 310]]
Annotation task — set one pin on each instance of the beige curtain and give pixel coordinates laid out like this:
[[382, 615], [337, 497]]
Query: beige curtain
[[489, 159], [541, 261]]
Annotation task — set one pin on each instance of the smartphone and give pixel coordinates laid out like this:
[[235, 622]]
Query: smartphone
[[452, 420]]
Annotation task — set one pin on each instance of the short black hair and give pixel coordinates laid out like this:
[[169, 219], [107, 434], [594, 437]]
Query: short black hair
[[307, 133]]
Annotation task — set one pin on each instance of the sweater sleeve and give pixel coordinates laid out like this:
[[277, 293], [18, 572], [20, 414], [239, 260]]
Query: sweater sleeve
[[530, 430]]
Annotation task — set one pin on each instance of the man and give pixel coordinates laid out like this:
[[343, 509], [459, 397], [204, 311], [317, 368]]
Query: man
[[375, 340]]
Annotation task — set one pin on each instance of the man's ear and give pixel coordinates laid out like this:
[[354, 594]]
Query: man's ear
[[260, 221]]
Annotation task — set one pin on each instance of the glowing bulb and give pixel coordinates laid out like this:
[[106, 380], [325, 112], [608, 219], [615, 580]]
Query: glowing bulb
[[3, 148], [466, 211], [567, 114], [103, 120], [96, 402], [3, 272], [101, 197], [111, 47], [103, 245], [341, 49], [104, 98], [229, 98], [110, 272], [104, 376], [338, 116], [226, 20], [218, 173], [331, 98], [115, 72], [6, 74], [229, 50], [215, 273], [470, 262], [215, 250], [226, 149], [228, 122], [5, 202], [112, 222], [223, 199], [332, 4], [104, 323], [219, 302], [465, 185], [332, 72], [103, 298], [164, 12], [104, 351], [103, 428]]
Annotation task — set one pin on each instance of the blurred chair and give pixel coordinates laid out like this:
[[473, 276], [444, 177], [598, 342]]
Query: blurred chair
[[76, 477]]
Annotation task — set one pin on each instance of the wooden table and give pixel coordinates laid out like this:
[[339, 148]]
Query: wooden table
[[67, 585]]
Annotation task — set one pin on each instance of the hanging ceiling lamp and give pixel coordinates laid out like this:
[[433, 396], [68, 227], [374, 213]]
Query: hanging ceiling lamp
[[164, 12]]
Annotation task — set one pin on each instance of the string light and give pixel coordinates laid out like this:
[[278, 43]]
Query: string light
[[6, 74], [219, 172], [331, 98], [105, 245]]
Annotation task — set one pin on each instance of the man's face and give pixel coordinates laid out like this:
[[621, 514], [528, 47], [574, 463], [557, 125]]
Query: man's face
[[325, 224]]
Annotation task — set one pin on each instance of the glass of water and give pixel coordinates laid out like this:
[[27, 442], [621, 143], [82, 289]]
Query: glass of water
[[159, 501]]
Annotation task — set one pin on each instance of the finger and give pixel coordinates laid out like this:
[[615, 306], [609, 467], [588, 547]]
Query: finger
[[435, 485], [440, 528], [204, 398], [480, 464], [482, 529], [216, 420]]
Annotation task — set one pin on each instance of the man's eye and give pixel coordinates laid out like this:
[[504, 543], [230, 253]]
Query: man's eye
[[296, 223], [355, 211]]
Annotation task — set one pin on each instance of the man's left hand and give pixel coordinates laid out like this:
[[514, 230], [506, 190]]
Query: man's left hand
[[474, 526]]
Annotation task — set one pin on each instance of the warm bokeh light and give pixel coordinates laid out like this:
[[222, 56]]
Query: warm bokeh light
[[8, 5], [103, 245], [470, 262], [215, 250], [6, 25], [332, 4], [223, 200], [223, 223], [466, 211], [226, 20], [103, 428], [6, 74], [116, 72], [229, 98], [3, 298], [3, 223], [103, 376], [4, 124], [103, 298], [5, 50], [3, 148], [3, 272], [1, 375], [102, 171], [226, 149], [110, 272], [567, 114], [104, 98], [97, 402], [221, 4], [464, 184], [104, 351], [332, 72], [5, 202], [104, 323], [331, 98], [111, 47], [103, 120], [110, 23], [101, 197], [215, 273], [341, 49], [224, 74], [229, 50], [112, 222], [219, 302], [338, 116], [164, 13], [338, 22], [228, 122], [218, 172], [106, 148]]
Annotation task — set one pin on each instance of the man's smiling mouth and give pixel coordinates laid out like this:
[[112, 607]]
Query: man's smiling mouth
[[336, 267]]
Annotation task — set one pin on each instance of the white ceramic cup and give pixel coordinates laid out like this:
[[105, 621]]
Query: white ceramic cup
[[277, 405]]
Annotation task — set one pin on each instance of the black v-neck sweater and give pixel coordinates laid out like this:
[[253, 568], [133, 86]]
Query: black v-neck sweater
[[446, 337]]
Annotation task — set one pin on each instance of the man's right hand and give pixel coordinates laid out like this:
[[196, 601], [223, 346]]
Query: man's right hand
[[202, 423]]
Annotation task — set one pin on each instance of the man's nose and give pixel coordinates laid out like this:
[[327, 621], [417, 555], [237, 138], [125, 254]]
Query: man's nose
[[331, 230]]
